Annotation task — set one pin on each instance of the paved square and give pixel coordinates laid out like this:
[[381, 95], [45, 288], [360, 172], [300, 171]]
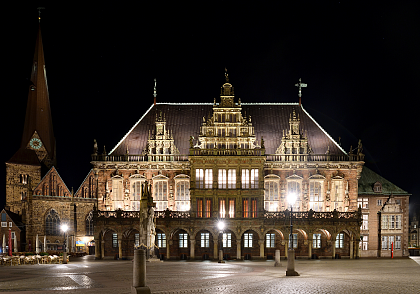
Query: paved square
[[85, 275]]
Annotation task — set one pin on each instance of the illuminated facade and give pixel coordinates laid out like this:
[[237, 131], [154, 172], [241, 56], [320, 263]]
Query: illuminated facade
[[206, 162]]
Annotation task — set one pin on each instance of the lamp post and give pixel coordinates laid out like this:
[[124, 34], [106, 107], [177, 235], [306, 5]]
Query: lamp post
[[65, 228], [221, 226], [291, 199]]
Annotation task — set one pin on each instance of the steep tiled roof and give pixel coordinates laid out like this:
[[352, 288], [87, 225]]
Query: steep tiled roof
[[25, 156], [369, 178], [268, 119]]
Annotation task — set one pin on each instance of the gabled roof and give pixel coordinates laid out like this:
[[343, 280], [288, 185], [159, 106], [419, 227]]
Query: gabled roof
[[368, 178], [47, 179], [268, 119], [16, 218]]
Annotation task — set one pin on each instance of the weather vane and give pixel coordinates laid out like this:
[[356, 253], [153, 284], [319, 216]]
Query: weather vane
[[39, 13], [300, 85]]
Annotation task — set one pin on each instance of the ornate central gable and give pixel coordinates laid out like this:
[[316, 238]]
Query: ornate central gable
[[294, 142], [227, 128]]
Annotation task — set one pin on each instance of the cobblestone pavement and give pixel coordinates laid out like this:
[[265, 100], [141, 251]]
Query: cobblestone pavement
[[85, 275]]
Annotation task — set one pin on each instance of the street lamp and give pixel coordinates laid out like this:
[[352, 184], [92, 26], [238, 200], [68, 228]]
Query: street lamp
[[64, 228], [221, 227], [291, 199]]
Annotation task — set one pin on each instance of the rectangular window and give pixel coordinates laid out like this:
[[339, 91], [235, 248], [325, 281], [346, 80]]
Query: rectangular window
[[245, 179], [339, 241], [248, 240], [199, 178], [222, 179], [250, 178], [365, 224], [245, 208], [207, 212], [379, 202], [114, 240], [205, 240], [4, 224], [227, 179], [390, 242], [316, 241], [392, 222], [208, 179], [365, 240], [161, 240], [222, 208], [270, 240], [10, 224], [384, 242], [136, 240], [231, 208], [397, 242], [384, 222], [199, 207], [227, 240], [398, 222], [315, 196], [254, 178], [204, 178], [183, 240], [253, 208], [363, 203]]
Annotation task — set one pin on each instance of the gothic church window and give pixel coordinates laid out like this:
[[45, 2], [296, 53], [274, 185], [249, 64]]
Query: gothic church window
[[52, 223], [89, 224]]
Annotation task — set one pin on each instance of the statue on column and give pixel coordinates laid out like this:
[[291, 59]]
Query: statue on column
[[147, 221]]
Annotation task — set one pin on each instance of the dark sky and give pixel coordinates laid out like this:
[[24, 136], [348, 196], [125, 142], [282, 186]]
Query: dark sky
[[361, 63]]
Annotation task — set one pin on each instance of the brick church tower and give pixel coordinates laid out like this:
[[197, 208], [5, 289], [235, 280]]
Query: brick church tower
[[37, 151]]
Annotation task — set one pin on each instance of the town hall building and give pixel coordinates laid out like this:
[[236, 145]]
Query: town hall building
[[205, 164]]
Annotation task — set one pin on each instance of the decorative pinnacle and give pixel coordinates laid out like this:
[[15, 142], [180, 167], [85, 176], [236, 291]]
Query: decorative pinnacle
[[226, 76], [39, 13], [154, 91], [300, 85]]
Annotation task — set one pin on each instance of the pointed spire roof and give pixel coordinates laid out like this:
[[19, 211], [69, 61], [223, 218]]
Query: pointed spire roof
[[38, 113]]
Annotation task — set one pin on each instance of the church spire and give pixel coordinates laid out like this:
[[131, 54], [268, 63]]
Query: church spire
[[38, 129]]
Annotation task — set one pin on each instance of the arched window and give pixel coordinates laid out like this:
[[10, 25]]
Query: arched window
[[294, 184], [271, 193], [136, 190], [52, 223], [182, 193], [89, 224], [117, 192], [160, 193]]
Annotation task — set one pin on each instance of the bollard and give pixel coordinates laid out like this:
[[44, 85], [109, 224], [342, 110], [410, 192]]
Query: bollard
[[139, 273], [221, 256], [277, 258]]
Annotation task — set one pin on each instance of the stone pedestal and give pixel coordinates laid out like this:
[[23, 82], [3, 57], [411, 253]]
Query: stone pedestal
[[139, 273], [277, 258], [291, 263]]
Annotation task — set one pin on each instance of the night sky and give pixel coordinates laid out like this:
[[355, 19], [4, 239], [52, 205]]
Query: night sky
[[361, 63]]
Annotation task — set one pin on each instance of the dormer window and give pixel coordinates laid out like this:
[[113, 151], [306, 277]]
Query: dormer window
[[377, 187]]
